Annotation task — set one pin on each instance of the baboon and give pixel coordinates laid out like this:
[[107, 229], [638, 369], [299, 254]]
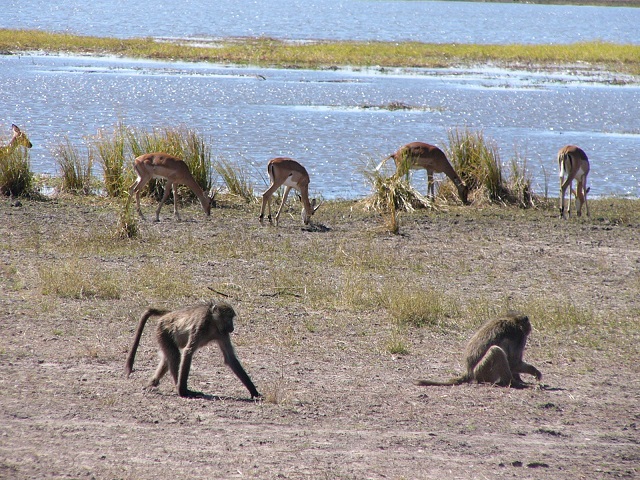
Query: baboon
[[188, 329], [494, 354]]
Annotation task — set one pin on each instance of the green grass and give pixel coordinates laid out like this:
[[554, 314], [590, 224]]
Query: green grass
[[16, 177], [270, 52], [74, 168], [236, 178]]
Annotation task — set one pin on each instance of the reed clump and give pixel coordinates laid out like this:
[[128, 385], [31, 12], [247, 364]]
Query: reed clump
[[477, 161], [16, 177], [391, 196], [236, 179], [116, 150], [74, 168]]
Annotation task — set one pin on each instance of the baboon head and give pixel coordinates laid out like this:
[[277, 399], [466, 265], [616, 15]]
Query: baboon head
[[223, 315]]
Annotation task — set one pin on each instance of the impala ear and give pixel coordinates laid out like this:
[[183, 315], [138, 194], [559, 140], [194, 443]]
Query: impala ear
[[15, 128], [313, 205]]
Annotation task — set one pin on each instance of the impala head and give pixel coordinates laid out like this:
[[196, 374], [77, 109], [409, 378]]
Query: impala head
[[212, 199], [19, 138], [463, 191], [306, 216]]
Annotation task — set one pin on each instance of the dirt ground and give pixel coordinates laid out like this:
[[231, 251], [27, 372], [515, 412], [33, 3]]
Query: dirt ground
[[337, 403]]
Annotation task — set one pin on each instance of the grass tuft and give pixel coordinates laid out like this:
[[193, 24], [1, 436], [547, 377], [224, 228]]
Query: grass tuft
[[75, 171], [419, 308], [16, 177], [236, 179]]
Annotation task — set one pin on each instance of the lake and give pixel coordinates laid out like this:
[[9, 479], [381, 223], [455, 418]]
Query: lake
[[334, 122]]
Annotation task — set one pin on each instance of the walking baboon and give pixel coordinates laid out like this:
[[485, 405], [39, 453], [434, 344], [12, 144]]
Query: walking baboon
[[188, 329], [494, 354]]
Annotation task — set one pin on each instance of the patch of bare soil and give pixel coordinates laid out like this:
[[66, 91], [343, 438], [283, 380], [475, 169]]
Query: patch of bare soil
[[338, 404]]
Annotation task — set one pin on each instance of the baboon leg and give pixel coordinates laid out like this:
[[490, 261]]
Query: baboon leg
[[160, 372], [171, 355], [185, 367], [493, 368]]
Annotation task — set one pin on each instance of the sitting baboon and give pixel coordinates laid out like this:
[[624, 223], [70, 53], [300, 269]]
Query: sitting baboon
[[494, 354], [189, 329]]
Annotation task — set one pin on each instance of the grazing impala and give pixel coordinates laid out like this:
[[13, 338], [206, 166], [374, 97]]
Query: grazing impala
[[422, 155], [18, 139], [288, 172], [573, 162], [175, 171]]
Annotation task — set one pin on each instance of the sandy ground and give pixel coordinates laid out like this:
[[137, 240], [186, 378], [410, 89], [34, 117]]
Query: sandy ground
[[338, 404]]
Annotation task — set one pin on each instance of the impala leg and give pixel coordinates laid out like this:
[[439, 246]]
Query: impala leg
[[284, 199], [580, 198], [563, 190], [586, 191], [135, 188], [174, 187], [430, 187], [266, 201], [167, 190]]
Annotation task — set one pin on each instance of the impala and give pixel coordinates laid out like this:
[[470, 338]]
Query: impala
[[175, 171], [573, 162], [18, 139], [288, 172], [417, 155]]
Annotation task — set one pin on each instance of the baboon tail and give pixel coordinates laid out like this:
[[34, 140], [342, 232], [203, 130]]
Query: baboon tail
[[432, 383], [150, 312]]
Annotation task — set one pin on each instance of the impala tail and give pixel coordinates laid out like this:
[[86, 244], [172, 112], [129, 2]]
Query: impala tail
[[381, 164]]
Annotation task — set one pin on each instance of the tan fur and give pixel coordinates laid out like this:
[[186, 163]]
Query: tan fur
[[422, 155], [286, 171], [573, 162], [494, 354], [18, 138], [180, 333], [175, 171]]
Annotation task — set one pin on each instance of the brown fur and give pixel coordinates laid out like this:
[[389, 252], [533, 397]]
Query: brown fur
[[494, 354], [422, 155], [187, 330]]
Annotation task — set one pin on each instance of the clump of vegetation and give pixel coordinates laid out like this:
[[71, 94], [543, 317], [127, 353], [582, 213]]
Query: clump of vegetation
[[78, 279], [181, 143], [396, 343], [74, 169], [116, 151], [111, 153], [422, 307], [236, 179], [16, 177], [127, 226], [477, 162], [392, 195]]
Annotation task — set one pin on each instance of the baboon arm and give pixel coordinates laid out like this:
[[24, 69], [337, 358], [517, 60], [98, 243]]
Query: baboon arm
[[530, 369], [232, 361]]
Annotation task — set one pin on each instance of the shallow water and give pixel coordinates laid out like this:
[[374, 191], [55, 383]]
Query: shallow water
[[334, 122], [330, 120]]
